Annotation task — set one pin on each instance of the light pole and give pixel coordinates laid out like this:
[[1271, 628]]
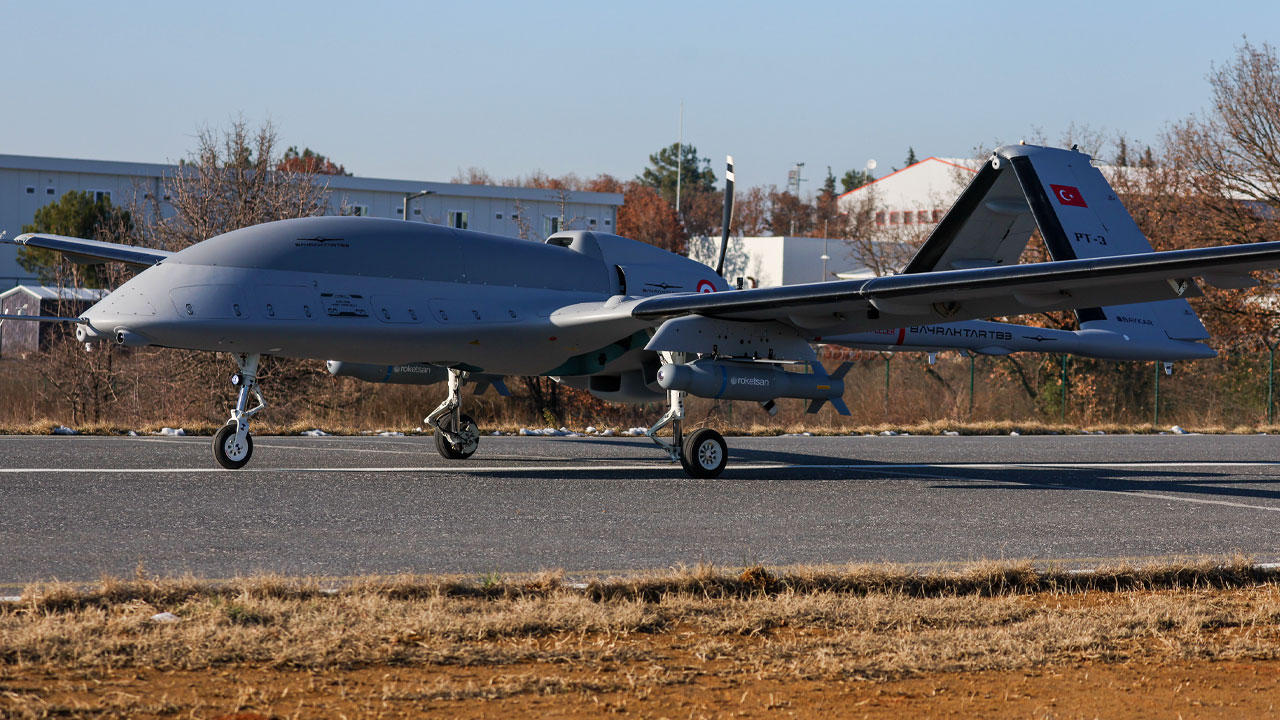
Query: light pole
[[411, 196], [825, 257]]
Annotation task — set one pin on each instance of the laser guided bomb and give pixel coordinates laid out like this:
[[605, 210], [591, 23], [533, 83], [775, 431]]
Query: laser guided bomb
[[755, 381], [411, 374]]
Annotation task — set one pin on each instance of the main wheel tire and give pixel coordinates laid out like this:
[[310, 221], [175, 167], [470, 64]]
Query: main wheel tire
[[470, 439], [704, 453], [229, 453]]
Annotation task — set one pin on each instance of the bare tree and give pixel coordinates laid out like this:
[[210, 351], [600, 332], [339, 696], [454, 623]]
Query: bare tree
[[233, 179], [1218, 180], [472, 176], [752, 210], [1236, 146], [567, 222], [229, 182], [875, 243], [524, 228]]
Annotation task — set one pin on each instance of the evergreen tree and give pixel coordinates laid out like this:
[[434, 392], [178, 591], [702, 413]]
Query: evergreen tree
[[309, 161], [911, 157], [1148, 160], [695, 173], [829, 185], [75, 214], [1122, 152], [855, 179]]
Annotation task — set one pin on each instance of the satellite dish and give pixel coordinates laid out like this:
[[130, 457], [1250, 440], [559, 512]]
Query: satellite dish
[[871, 164]]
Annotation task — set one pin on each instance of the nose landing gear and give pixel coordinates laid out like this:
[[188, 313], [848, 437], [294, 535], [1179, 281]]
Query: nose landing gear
[[232, 445]]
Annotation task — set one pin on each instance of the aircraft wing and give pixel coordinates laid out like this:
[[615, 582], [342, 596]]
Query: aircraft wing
[[948, 295], [967, 270], [92, 251]]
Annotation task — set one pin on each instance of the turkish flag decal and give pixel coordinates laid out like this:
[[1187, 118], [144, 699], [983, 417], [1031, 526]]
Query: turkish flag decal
[[1068, 195]]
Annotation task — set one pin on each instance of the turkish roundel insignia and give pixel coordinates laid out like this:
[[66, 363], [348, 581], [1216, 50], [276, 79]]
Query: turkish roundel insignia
[[706, 286], [1068, 195]]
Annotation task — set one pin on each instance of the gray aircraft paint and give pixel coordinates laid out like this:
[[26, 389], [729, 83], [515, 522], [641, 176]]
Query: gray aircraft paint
[[390, 292]]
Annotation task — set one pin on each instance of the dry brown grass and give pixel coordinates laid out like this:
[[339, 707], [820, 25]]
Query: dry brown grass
[[1204, 396], [877, 620], [485, 639], [45, 426]]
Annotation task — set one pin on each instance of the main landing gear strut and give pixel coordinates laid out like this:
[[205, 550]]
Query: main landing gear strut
[[702, 454], [232, 445], [457, 435]]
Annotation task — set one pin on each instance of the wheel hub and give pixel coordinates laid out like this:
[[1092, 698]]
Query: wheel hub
[[235, 448], [709, 454]]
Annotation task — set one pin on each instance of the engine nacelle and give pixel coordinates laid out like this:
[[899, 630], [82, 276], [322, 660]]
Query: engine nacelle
[[759, 382]]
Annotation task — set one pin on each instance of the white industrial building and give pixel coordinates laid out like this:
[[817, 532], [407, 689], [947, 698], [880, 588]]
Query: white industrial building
[[776, 260], [28, 183], [17, 339], [916, 195], [907, 204]]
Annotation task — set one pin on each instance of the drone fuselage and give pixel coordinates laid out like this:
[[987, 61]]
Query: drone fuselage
[[392, 292]]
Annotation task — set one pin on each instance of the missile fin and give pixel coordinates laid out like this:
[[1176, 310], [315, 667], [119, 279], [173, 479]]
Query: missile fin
[[484, 382]]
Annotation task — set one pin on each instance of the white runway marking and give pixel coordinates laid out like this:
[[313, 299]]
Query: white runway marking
[[657, 465], [304, 448], [1100, 466], [886, 468], [1145, 494], [424, 469], [384, 451]]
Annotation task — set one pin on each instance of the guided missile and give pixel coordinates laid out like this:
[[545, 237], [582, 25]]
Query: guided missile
[[406, 374], [756, 381]]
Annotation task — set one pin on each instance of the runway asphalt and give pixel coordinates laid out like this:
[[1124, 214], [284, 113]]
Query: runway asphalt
[[74, 508]]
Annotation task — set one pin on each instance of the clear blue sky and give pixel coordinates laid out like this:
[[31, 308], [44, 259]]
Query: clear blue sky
[[420, 90]]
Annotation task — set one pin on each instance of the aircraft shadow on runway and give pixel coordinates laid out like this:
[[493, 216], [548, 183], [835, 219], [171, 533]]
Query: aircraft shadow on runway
[[1110, 479], [1213, 484]]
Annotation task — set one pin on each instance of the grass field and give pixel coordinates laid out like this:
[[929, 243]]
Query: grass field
[[1199, 638]]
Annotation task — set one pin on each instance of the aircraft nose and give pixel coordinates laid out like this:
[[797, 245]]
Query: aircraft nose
[[122, 316]]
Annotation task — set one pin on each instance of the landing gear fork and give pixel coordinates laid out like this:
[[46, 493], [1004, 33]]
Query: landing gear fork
[[675, 418], [233, 445], [457, 435], [704, 453]]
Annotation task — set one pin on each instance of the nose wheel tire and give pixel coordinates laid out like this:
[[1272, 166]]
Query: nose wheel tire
[[704, 453], [230, 453], [469, 439]]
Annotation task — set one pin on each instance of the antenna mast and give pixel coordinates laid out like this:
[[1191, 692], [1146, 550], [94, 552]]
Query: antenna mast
[[794, 179], [679, 156]]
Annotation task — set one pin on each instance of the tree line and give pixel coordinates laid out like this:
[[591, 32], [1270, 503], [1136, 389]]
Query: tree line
[[1212, 178]]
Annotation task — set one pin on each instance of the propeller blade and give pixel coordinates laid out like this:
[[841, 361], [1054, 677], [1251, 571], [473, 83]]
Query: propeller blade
[[728, 214]]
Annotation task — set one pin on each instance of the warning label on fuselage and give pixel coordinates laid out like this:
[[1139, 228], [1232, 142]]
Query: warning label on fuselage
[[338, 305]]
